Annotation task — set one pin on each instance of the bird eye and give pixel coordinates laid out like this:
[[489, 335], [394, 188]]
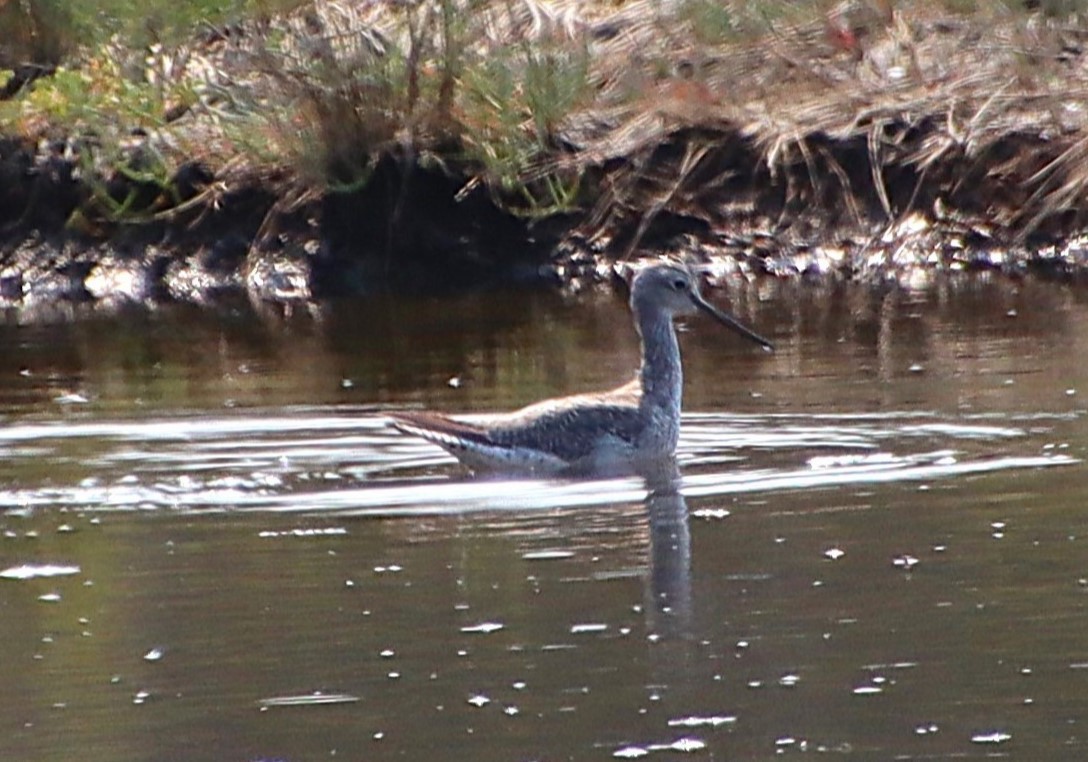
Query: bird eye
[[679, 284]]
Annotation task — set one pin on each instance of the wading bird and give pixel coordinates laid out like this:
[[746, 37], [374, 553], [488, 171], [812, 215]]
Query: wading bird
[[599, 432]]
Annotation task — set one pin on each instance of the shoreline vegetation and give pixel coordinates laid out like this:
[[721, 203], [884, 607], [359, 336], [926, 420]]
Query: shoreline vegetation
[[297, 150]]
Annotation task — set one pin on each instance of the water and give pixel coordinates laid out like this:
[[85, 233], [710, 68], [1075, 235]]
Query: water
[[214, 549]]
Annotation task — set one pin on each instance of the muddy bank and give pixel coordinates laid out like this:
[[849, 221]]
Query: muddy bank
[[411, 230], [865, 145]]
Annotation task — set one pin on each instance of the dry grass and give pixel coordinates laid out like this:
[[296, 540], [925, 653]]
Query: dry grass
[[966, 103], [758, 110]]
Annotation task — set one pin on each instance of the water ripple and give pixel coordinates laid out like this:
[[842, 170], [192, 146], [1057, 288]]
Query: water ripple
[[351, 463]]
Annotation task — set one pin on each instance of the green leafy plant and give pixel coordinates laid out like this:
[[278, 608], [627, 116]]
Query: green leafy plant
[[512, 107]]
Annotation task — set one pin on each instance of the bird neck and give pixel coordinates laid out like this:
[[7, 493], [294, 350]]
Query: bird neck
[[661, 375]]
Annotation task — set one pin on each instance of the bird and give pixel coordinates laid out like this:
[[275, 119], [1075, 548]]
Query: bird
[[600, 432]]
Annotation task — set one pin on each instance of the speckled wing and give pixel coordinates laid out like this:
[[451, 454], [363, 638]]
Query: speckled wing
[[474, 445], [570, 431], [546, 437]]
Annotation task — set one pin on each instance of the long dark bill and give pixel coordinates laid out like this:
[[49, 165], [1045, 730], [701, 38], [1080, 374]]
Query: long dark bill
[[731, 322]]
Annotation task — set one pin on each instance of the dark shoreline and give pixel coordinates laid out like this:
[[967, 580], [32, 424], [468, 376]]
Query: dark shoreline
[[407, 231]]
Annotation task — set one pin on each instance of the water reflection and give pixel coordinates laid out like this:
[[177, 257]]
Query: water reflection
[[670, 551], [954, 346], [843, 556]]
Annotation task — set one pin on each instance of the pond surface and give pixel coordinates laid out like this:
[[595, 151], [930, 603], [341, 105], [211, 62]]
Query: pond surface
[[213, 547]]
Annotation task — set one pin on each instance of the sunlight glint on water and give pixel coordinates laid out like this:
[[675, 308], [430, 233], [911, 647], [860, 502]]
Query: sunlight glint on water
[[354, 462], [876, 549]]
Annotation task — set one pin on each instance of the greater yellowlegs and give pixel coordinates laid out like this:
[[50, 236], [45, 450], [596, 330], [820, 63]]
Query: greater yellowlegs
[[639, 421]]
